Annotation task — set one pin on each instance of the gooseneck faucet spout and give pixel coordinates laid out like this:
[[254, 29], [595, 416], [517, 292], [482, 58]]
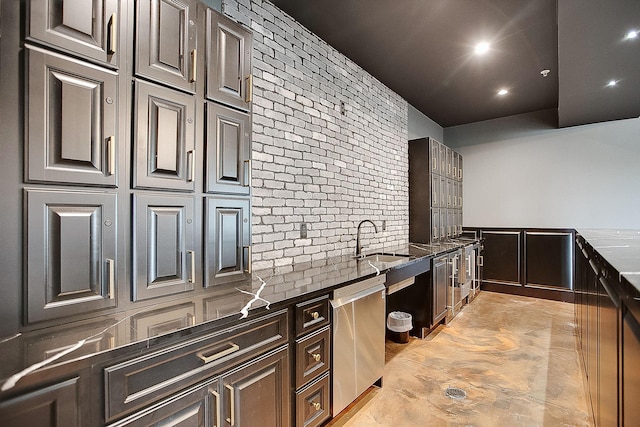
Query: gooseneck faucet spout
[[358, 246]]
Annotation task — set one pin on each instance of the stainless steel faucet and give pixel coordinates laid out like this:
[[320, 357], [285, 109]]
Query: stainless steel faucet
[[358, 247]]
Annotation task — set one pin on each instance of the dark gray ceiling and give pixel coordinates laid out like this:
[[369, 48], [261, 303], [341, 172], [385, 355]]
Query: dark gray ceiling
[[423, 50]]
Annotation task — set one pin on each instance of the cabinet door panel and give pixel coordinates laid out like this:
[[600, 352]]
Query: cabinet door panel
[[71, 253], [164, 138], [87, 28], [434, 147], [630, 375], [435, 225], [166, 42], [228, 150], [72, 121], [228, 240], [55, 406], [549, 259], [229, 55], [258, 394], [439, 280], [435, 191], [164, 251], [502, 257]]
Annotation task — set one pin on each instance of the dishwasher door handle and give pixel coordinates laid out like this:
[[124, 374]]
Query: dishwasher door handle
[[339, 302]]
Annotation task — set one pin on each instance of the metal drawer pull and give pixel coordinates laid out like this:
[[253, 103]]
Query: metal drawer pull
[[112, 34], [316, 405], [248, 93], [248, 248], [207, 359], [315, 315], [190, 165], [216, 396], [316, 357], [232, 419], [111, 155], [192, 266], [247, 164], [194, 59], [480, 261], [111, 278]]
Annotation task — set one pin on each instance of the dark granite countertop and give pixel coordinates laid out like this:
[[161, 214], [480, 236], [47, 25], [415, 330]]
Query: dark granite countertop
[[620, 248], [164, 322]]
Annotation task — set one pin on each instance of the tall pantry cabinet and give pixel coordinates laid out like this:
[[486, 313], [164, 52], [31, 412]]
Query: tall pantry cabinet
[[137, 154], [435, 191]]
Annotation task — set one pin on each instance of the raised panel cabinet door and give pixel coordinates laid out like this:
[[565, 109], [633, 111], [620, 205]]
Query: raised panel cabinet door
[[164, 138], [435, 225], [164, 252], [71, 253], [257, 394], [460, 167], [228, 239], [86, 28], [229, 53], [434, 148], [72, 116], [53, 406], [166, 49], [228, 150], [435, 191], [502, 260]]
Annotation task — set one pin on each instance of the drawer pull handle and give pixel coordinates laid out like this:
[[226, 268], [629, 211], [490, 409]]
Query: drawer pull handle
[[248, 269], [192, 266], [247, 164], [232, 419], [316, 357], [111, 278], [248, 90], [315, 315], [216, 396], [207, 359], [194, 59], [191, 165], [316, 405], [112, 34], [111, 155]]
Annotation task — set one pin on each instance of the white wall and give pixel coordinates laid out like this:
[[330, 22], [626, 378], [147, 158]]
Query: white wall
[[311, 163], [421, 126], [521, 171]]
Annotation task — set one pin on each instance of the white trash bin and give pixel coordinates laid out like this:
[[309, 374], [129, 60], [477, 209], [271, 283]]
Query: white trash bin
[[399, 324]]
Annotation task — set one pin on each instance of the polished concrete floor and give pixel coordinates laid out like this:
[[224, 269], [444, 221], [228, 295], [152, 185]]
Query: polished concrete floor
[[514, 357]]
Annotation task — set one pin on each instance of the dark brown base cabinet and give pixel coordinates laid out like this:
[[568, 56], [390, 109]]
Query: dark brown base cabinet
[[609, 338]]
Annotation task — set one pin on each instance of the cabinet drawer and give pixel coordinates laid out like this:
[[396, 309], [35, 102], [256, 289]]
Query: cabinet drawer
[[312, 403], [313, 355], [312, 315], [140, 381]]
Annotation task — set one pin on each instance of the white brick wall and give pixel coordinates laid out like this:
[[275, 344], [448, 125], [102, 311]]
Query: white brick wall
[[311, 163]]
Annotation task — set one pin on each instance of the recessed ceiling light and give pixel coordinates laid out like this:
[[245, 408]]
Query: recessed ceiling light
[[631, 34], [612, 83], [482, 48], [503, 92]]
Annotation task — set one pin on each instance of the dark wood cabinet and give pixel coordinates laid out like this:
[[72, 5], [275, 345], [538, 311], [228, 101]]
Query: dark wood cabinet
[[608, 332], [549, 258], [257, 394], [71, 249], [53, 406], [228, 150], [73, 128], [228, 237], [630, 374], [313, 404], [228, 62], [502, 263], [164, 138], [166, 42], [164, 252], [87, 28]]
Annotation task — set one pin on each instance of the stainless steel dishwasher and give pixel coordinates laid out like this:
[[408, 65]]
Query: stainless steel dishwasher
[[358, 339]]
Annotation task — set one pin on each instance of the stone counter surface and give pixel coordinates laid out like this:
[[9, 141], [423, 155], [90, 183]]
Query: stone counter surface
[[136, 330], [620, 248]]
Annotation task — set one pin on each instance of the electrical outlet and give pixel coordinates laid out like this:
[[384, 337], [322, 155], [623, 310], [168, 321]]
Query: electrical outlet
[[384, 225], [303, 230]]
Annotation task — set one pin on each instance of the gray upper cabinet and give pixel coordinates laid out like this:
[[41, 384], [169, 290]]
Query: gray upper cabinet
[[228, 236], [229, 53], [164, 253], [228, 150], [71, 253], [86, 28], [164, 138], [434, 147], [72, 113], [166, 49]]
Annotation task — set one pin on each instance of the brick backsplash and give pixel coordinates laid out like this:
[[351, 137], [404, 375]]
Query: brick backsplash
[[312, 163]]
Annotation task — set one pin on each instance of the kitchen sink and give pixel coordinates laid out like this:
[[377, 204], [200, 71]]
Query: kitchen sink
[[385, 257]]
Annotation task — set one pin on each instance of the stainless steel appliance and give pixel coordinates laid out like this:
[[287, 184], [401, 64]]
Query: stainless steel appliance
[[358, 339]]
